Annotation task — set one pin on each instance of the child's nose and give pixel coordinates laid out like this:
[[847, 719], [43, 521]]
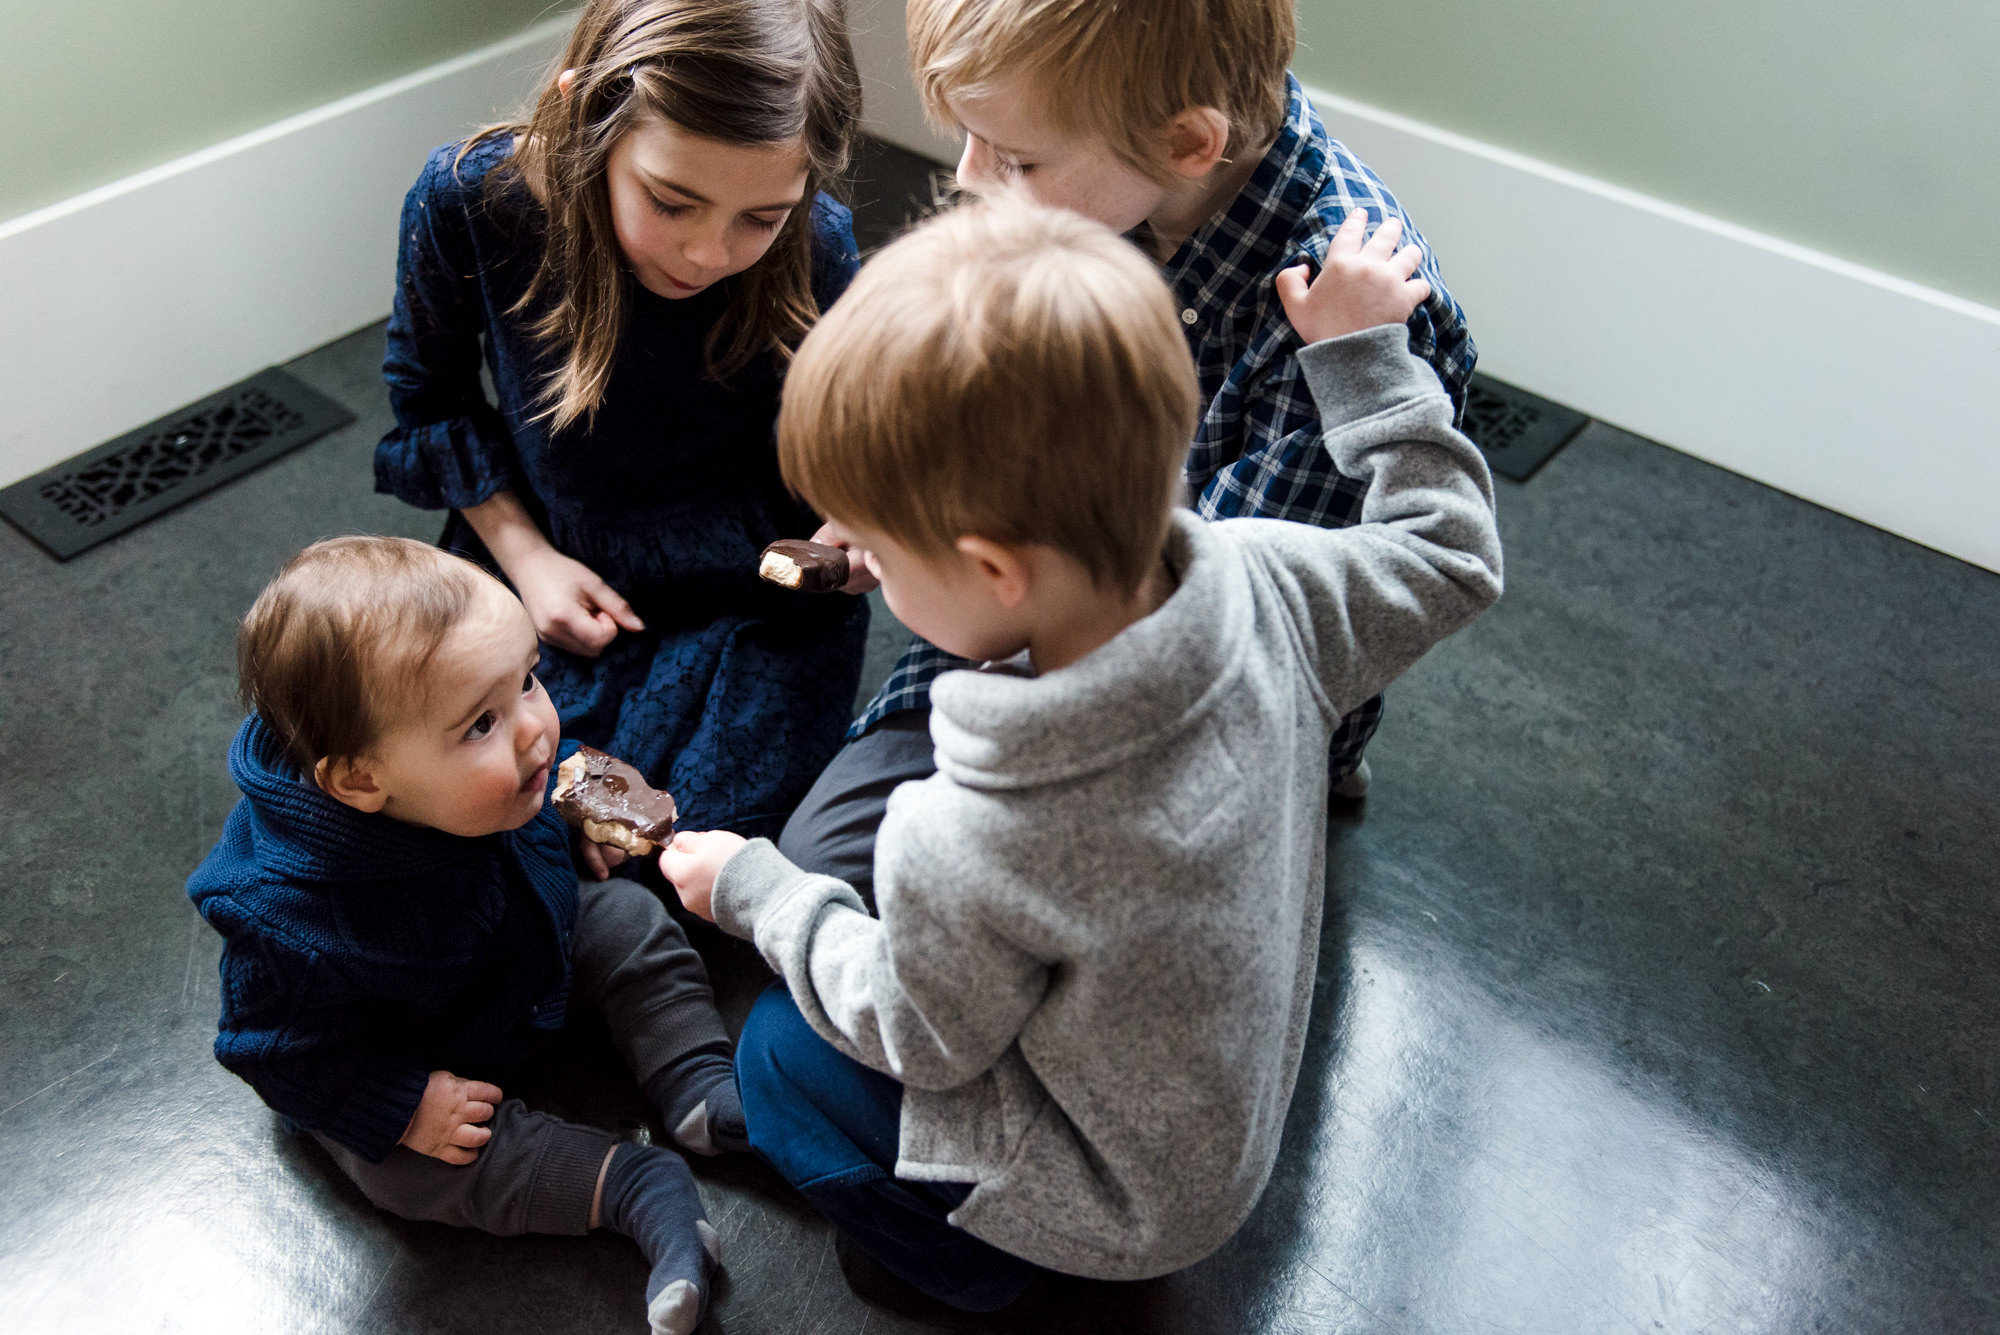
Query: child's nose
[[709, 248], [973, 167], [534, 727]]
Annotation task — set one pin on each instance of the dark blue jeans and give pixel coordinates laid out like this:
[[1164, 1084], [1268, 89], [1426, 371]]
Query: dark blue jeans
[[829, 1125]]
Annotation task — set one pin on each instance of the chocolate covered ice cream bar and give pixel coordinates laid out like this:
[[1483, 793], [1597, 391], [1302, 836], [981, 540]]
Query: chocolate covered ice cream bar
[[612, 803], [809, 567]]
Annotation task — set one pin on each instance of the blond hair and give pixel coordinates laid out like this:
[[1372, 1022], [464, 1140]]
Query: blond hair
[[332, 648], [1007, 371], [1117, 72], [749, 72]]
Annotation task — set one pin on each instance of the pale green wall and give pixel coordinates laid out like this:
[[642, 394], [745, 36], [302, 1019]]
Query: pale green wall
[[1865, 129], [1868, 130], [93, 90]]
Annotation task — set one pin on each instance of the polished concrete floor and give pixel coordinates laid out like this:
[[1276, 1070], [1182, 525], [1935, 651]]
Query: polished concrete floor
[[1658, 988]]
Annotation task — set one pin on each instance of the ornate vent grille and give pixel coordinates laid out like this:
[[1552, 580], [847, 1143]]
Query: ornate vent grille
[[1517, 431], [169, 458], [123, 483]]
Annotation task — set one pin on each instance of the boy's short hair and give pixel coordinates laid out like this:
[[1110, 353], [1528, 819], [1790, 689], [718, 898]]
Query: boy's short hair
[[1007, 371], [332, 646], [1119, 72]]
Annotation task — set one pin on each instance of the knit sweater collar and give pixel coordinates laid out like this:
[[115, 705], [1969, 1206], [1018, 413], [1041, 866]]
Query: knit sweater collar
[[1155, 677], [305, 835]]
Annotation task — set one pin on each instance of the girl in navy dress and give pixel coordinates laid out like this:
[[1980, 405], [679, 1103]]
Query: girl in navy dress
[[633, 266]]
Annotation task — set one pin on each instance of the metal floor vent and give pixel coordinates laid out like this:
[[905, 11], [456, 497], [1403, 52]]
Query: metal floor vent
[[145, 473], [1517, 431]]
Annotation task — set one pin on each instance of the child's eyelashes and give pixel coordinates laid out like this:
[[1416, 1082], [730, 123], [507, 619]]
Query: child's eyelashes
[[1011, 165], [670, 210]]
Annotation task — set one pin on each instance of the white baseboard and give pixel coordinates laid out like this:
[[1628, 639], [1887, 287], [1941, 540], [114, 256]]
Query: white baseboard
[[123, 303], [1857, 390]]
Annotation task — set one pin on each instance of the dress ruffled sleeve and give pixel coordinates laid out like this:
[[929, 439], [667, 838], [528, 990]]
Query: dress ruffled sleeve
[[451, 448]]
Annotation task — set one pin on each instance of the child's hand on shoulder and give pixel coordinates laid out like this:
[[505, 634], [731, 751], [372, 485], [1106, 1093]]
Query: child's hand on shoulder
[[1359, 286], [692, 862], [446, 1123], [572, 608]]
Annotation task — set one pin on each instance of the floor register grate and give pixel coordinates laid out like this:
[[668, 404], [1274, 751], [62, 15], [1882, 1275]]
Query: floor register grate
[[1517, 431], [141, 475]]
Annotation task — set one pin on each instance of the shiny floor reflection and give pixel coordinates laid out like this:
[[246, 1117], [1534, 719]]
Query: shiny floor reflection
[[1529, 1168], [1658, 987]]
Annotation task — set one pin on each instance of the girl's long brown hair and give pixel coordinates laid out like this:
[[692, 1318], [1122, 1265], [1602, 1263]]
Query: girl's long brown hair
[[752, 72]]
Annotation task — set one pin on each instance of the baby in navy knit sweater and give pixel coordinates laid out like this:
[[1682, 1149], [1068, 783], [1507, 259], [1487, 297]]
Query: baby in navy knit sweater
[[405, 923]]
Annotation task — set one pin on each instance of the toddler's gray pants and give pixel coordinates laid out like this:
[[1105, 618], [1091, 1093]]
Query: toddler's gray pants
[[833, 830], [538, 1174]]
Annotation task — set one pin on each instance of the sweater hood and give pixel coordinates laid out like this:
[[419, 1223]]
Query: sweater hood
[[998, 731], [302, 834]]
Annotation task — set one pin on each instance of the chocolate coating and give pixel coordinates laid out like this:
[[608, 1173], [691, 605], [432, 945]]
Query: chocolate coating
[[809, 567], [596, 789]]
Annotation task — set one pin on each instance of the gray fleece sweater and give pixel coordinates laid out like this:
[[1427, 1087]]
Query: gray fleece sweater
[[1099, 921]]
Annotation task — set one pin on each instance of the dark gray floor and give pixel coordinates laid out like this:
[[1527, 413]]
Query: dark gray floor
[[1658, 988]]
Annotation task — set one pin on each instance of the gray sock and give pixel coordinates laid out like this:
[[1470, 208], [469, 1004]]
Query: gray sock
[[650, 1197], [697, 1097]]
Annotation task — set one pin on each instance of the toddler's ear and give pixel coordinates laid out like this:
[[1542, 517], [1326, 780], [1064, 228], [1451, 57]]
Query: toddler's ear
[[346, 782], [1002, 567]]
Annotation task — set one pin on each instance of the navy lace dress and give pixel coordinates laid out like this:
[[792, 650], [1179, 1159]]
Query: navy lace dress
[[737, 692]]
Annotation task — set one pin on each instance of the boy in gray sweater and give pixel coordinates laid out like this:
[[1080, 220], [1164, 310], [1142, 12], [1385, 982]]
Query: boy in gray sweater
[[1069, 1036]]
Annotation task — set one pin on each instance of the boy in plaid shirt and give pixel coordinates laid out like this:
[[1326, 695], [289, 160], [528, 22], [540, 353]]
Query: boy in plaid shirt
[[1187, 133]]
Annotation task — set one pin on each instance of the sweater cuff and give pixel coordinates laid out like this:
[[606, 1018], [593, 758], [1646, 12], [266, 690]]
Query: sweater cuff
[[748, 884], [379, 1107], [1359, 375], [761, 896]]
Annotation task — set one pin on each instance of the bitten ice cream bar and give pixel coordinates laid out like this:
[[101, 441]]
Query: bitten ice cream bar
[[809, 567], [612, 803]]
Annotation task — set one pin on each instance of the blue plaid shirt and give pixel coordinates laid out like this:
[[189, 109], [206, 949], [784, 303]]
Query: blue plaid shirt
[[1258, 450]]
